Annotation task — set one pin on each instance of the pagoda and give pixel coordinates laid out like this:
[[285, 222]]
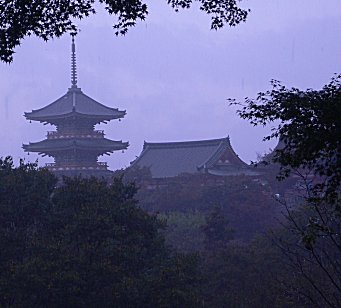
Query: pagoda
[[75, 145]]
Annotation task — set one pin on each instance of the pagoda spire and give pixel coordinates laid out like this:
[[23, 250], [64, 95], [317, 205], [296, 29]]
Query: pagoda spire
[[73, 63]]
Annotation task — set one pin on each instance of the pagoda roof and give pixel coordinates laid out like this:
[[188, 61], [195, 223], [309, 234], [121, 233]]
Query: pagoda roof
[[53, 145], [75, 103], [170, 159]]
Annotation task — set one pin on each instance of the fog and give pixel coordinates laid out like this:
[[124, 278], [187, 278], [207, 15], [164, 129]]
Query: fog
[[172, 74]]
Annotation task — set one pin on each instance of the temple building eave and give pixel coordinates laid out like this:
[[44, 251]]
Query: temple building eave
[[52, 151], [49, 146], [53, 119]]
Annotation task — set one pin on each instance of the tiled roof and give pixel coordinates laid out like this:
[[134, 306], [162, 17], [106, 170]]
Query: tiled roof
[[74, 102], [173, 158], [100, 145]]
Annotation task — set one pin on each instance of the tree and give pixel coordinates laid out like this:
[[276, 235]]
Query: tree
[[51, 18], [217, 230], [184, 230], [84, 243], [100, 232], [247, 275], [309, 127], [24, 210], [115, 252]]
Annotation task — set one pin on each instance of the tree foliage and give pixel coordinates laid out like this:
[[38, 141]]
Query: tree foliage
[[51, 18], [87, 243], [312, 249], [246, 203], [184, 230], [249, 275], [217, 230], [308, 124], [24, 208], [84, 243], [309, 127]]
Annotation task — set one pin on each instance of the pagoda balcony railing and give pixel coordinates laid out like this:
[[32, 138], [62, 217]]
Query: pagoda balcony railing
[[60, 135], [70, 166]]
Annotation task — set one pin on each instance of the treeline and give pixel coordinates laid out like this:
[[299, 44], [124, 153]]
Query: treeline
[[247, 202], [85, 244], [89, 243], [254, 237]]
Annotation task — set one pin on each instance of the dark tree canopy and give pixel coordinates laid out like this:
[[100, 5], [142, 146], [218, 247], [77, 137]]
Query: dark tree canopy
[[51, 18], [308, 124], [84, 244], [309, 127]]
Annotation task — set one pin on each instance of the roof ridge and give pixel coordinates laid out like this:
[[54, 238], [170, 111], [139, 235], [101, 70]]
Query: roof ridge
[[189, 143]]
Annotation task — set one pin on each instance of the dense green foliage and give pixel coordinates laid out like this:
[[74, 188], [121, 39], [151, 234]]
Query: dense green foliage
[[235, 273], [217, 230], [184, 230], [84, 243], [309, 127], [247, 204], [247, 275], [272, 270], [24, 208], [50, 18]]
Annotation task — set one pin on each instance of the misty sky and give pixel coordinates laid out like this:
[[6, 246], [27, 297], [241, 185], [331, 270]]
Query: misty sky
[[173, 74]]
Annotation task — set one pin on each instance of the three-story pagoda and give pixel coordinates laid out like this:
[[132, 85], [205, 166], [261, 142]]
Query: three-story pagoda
[[75, 145]]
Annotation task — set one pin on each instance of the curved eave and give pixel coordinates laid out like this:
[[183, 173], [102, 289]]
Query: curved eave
[[139, 158], [74, 101], [96, 117], [50, 148], [233, 172], [184, 144]]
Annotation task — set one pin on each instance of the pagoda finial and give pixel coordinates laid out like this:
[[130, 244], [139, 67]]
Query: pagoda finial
[[73, 63]]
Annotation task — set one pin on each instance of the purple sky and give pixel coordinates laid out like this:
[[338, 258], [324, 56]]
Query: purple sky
[[173, 74]]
